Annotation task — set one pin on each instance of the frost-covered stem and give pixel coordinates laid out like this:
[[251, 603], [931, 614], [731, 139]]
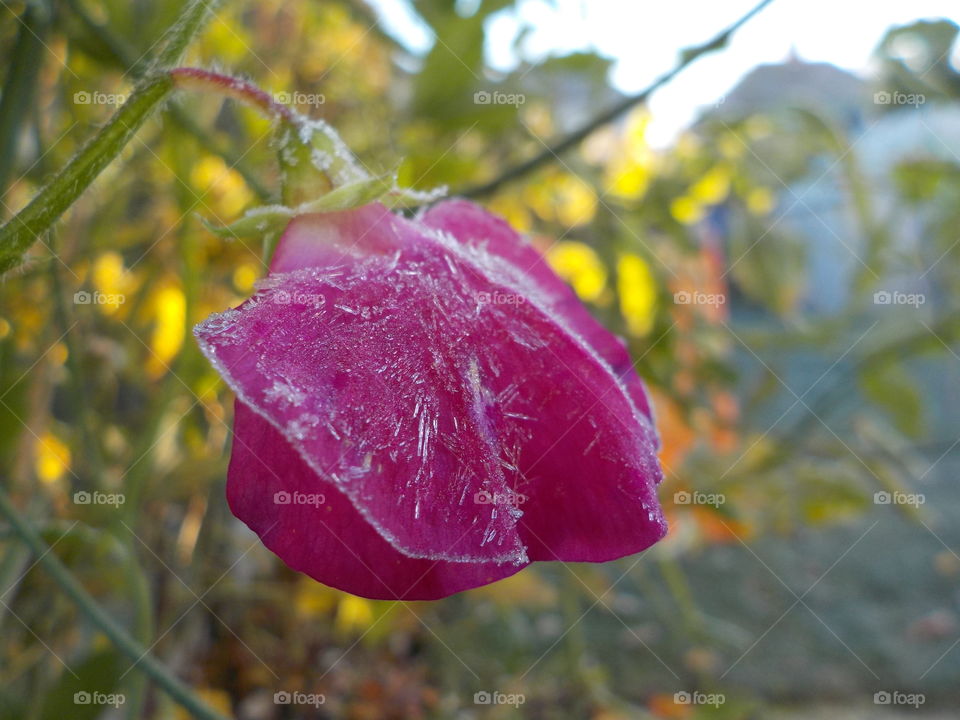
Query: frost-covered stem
[[192, 78], [20, 232], [311, 153], [144, 661], [191, 21]]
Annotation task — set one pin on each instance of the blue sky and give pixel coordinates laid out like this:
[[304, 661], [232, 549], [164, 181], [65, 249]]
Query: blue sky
[[642, 38]]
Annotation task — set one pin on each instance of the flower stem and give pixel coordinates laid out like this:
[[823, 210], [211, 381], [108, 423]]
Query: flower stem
[[127, 59], [20, 232], [143, 660], [179, 35]]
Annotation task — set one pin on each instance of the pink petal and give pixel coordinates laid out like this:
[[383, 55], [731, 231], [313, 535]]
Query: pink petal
[[473, 225], [466, 408], [319, 532], [340, 360]]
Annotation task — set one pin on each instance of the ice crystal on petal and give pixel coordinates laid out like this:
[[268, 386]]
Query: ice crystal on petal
[[447, 391]]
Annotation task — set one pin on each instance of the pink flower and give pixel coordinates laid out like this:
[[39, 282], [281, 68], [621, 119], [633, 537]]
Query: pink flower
[[423, 407]]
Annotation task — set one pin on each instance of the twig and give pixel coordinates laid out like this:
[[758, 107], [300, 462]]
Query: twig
[[574, 138]]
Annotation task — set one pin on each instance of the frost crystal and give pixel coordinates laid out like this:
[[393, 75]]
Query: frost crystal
[[458, 408]]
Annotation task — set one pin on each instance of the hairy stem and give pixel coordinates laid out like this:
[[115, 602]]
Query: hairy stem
[[20, 232], [126, 58]]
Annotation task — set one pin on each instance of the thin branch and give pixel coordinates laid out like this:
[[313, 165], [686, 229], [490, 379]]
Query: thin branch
[[687, 57]]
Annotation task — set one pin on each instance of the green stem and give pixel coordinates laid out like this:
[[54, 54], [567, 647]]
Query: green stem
[[126, 58], [582, 684], [17, 235], [143, 628], [21, 83], [50, 203], [191, 21], [145, 662], [682, 596]]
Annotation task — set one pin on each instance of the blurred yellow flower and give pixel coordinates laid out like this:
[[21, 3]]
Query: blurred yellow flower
[[111, 281], [244, 277], [760, 201], [731, 147], [511, 209], [222, 189], [576, 202], [713, 187], [227, 36], [312, 600], [563, 198], [686, 210], [630, 173], [638, 293], [353, 613], [169, 309], [579, 265], [52, 458], [58, 354]]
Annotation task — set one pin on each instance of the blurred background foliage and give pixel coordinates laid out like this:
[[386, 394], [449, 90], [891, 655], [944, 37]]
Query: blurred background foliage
[[784, 385]]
